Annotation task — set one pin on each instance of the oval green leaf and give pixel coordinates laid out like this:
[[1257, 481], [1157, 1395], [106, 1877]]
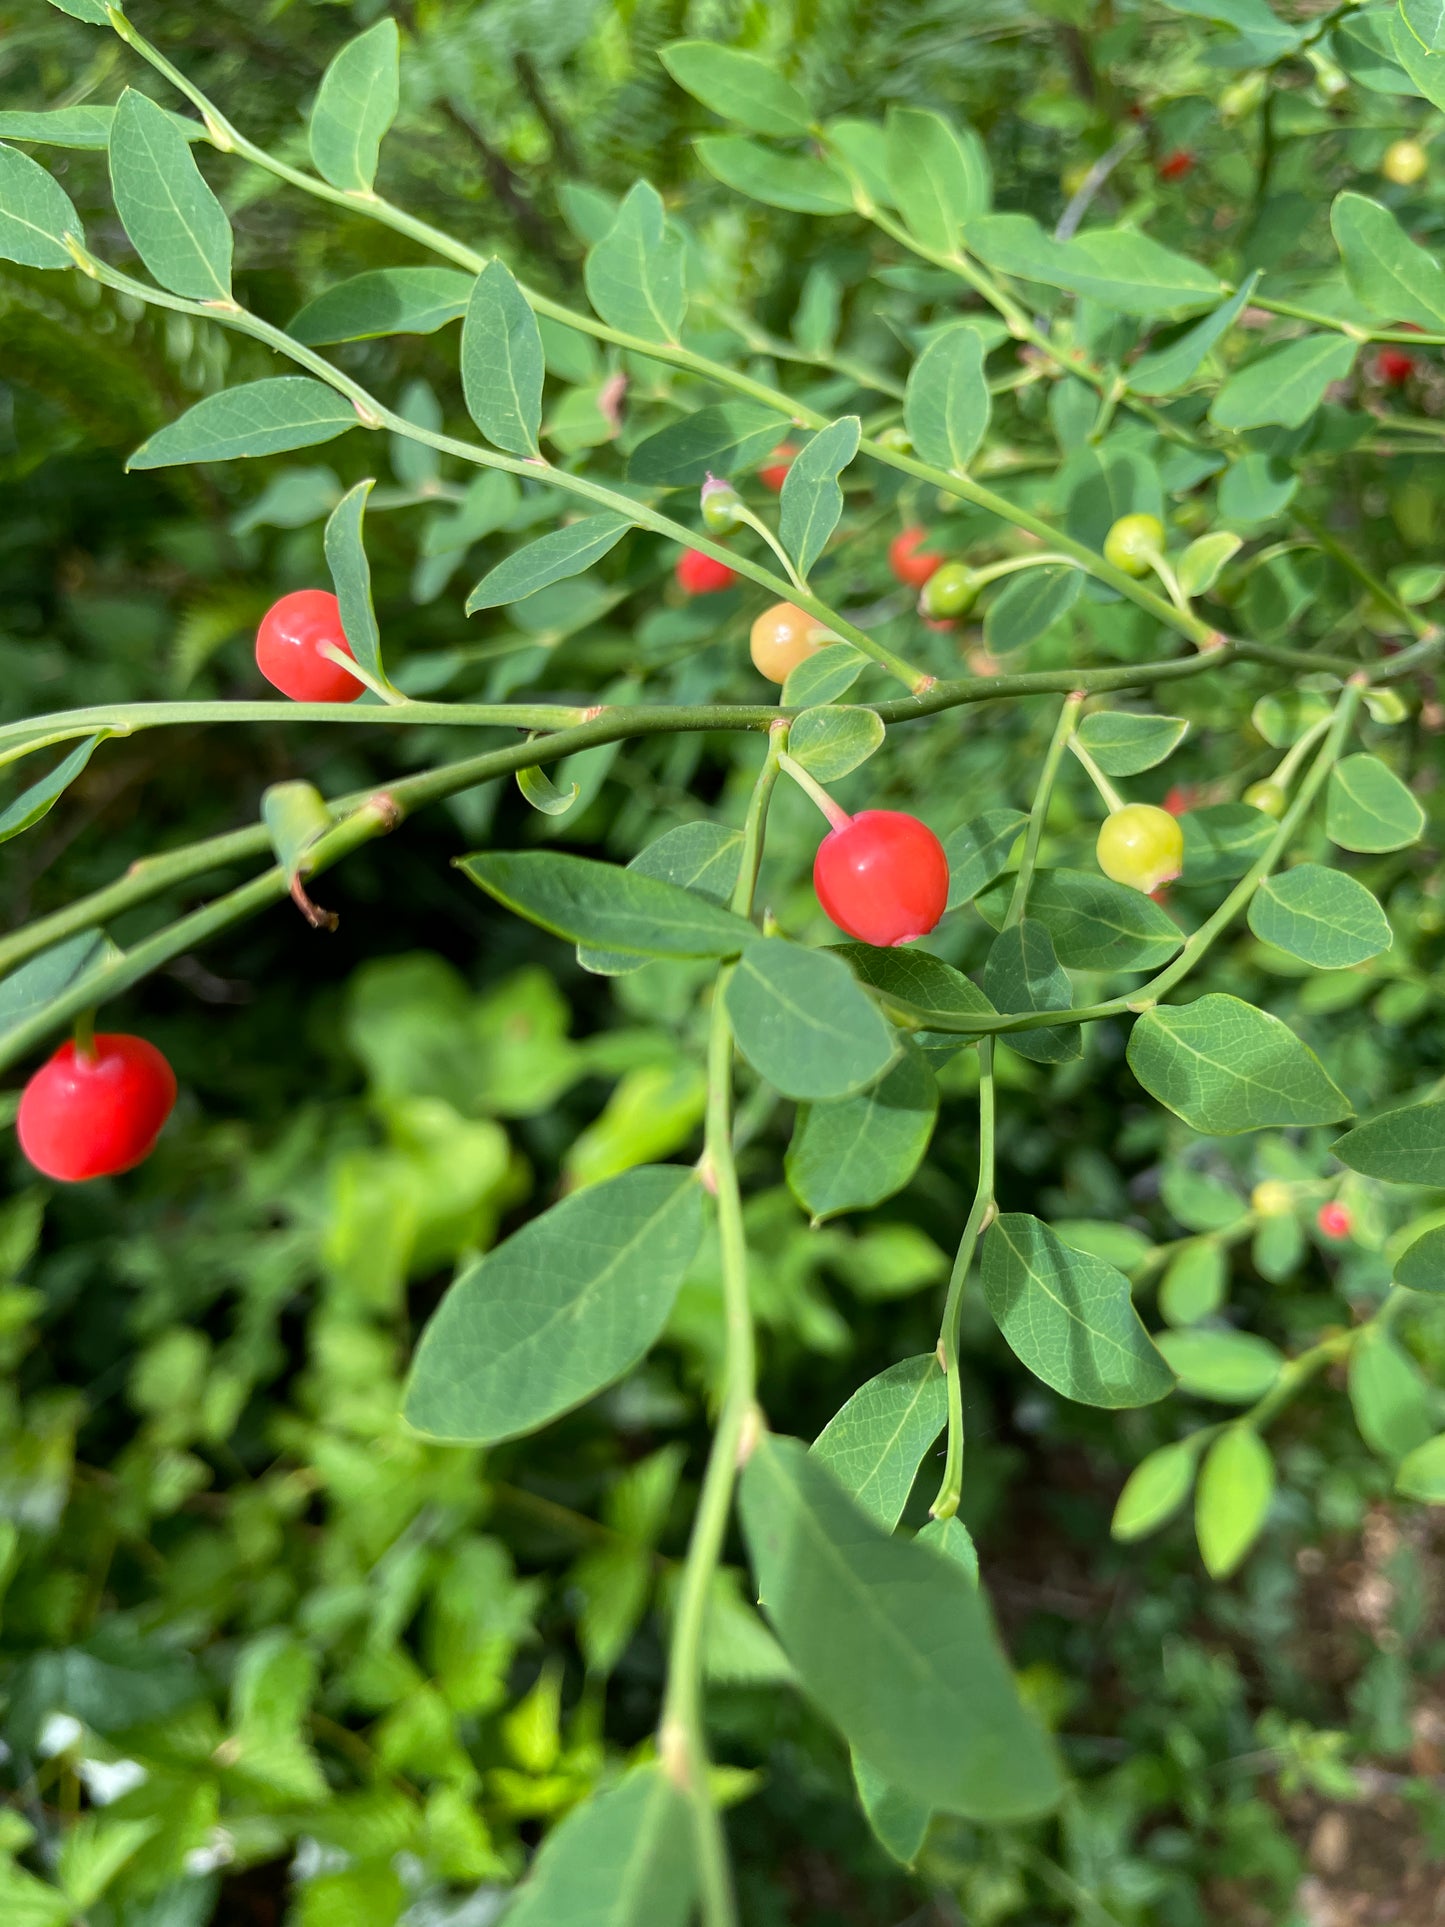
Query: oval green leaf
[[1321, 916], [1236, 1484], [804, 1022], [176, 224], [502, 363], [602, 904], [260, 418], [852, 1154], [36, 214], [946, 405], [1368, 808], [355, 105], [1233, 1367], [1225, 1067], [551, 558], [876, 1443]]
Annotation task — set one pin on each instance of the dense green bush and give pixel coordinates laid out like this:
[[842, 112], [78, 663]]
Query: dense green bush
[[1010, 274]]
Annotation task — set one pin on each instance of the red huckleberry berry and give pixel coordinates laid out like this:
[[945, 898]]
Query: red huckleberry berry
[[1394, 367], [882, 877], [699, 574], [91, 1113], [1334, 1220], [1175, 166], [288, 649], [776, 472], [908, 560], [1180, 797]]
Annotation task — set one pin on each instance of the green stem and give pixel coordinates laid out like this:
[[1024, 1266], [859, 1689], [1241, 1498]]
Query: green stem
[[742, 513], [979, 1218], [1063, 734], [837, 816], [682, 1737], [345, 660], [1110, 796]]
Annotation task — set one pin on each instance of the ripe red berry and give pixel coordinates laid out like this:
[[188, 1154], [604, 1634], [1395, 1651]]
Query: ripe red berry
[[907, 562], [882, 876], [1180, 797], [1175, 166], [1334, 1220], [1394, 367], [776, 472], [699, 574], [91, 1114], [288, 647]]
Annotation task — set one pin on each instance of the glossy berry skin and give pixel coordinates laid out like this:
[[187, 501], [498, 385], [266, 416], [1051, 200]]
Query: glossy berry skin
[[1141, 846], [782, 637], [1132, 541], [882, 877], [288, 644], [776, 472], [907, 563], [93, 1114], [1267, 796], [699, 574], [1334, 1220], [1175, 166], [1404, 163], [949, 591], [1394, 367]]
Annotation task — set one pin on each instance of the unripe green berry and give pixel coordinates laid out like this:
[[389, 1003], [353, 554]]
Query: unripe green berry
[[721, 506], [897, 439], [950, 591], [1141, 846], [1133, 542], [1267, 796]]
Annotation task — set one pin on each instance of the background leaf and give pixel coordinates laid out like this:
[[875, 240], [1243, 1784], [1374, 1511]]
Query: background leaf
[[356, 104], [857, 1151], [624, 1858], [502, 362], [738, 87], [1236, 1484]]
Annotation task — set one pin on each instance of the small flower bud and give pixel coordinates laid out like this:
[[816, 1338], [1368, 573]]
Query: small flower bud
[[721, 506]]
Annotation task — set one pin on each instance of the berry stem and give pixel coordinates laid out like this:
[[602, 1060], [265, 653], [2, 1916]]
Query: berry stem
[[992, 571], [837, 816], [85, 1032], [745, 517], [1063, 732], [1284, 775], [375, 684], [1110, 796]]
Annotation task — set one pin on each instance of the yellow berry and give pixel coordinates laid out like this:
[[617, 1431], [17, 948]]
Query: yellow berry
[[1267, 796], [1141, 846], [783, 637], [1133, 541], [1404, 163], [1272, 1199]]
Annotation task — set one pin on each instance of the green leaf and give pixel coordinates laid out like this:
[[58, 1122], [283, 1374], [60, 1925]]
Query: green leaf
[[1023, 973], [95, 1848], [1426, 20], [623, 1858], [40, 798], [924, 986], [1392, 1402], [502, 364], [1095, 924], [893, 1643], [852, 1154], [1368, 808], [1424, 66], [899, 1823], [384, 301], [1123, 743], [1285, 385], [1069, 1317], [699, 856], [543, 794], [738, 87], [812, 502], [1421, 1473], [1165, 371], [357, 102], [1030, 605], [92, 12], [78, 127], [1390, 273], [804, 1022], [296, 817], [48, 976], [830, 742], [1236, 1484], [260, 418], [1118, 267], [946, 405], [822, 677], [1234, 1367], [876, 1443], [1194, 1285], [1250, 18], [176, 224], [1403, 1147], [562, 1308], [1225, 1067], [979, 851], [1222, 840], [1153, 1492], [351, 576], [799, 182], [35, 214], [1420, 1267], [553, 557], [602, 904], [939, 177], [1321, 916], [1201, 562], [634, 274], [717, 440]]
